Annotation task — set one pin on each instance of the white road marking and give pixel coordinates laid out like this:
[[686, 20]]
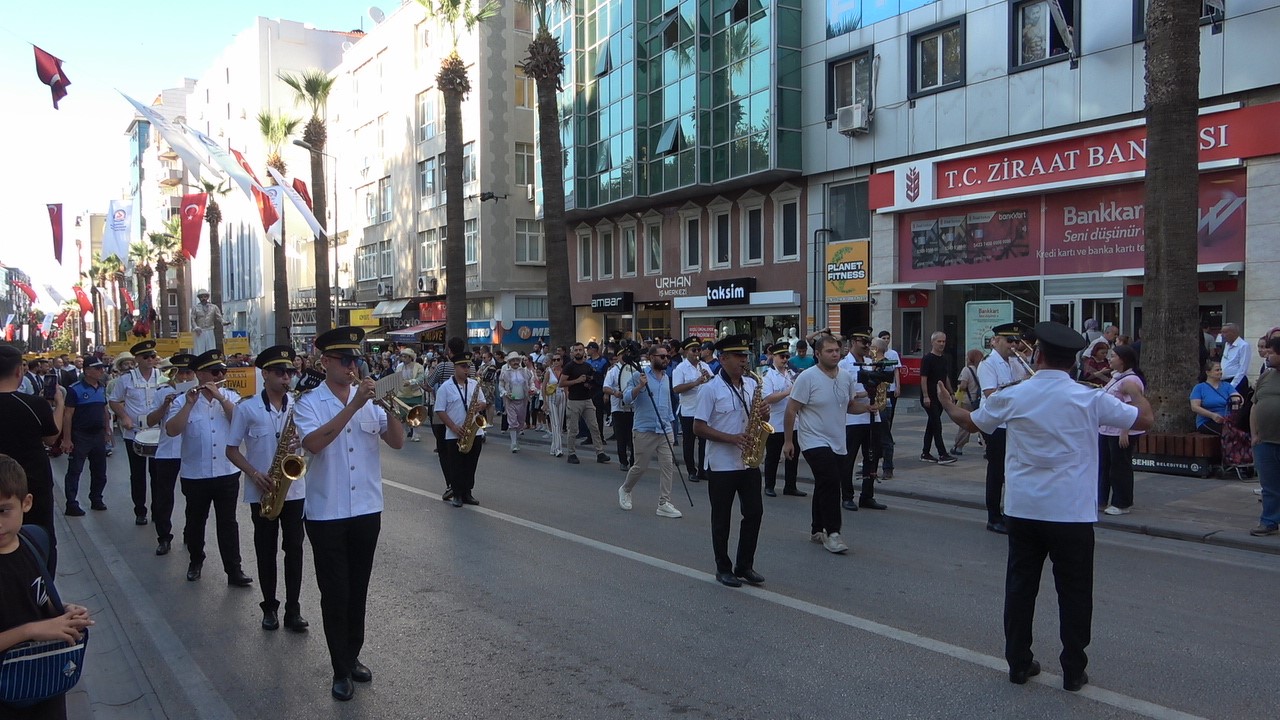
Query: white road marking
[[1093, 692]]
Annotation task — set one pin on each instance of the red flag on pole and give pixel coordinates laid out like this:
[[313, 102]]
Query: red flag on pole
[[193, 207], [128, 301], [86, 306], [55, 221], [62, 318], [26, 290], [240, 159], [266, 209], [301, 187], [49, 70]]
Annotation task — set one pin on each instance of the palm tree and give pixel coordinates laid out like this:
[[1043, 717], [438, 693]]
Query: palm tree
[[166, 247], [112, 270], [276, 130], [455, 85], [178, 261], [141, 255], [546, 66], [1170, 298], [311, 87], [99, 272], [213, 216]]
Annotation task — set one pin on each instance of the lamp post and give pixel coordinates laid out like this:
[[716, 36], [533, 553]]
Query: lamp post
[[333, 232]]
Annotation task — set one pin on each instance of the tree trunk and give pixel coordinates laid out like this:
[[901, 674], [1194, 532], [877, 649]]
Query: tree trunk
[[320, 206], [280, 292], [455, 246], [1170, 296], [215, 270], [162, 272], [184, 297], [560, 313]]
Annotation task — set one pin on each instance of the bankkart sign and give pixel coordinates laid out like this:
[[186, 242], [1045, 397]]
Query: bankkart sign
[[848, 271]]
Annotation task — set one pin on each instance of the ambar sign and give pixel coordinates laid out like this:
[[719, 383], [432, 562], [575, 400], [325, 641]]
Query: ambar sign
[[612, 302], [730, 292]]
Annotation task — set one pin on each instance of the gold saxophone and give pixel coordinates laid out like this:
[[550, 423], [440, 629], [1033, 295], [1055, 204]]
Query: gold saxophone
[[286, 467], [758, 428], [471, 423]]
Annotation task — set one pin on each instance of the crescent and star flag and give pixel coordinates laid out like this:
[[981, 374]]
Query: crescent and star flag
[[62, 318], [193, 207], [55, 222], [301, 189], [298, 201], [175, 137], [224, 160], [49, 70], [8, 333], [115, 235], [86, 305], [128, 301], [26, 289], [54, 295], [266, 205]]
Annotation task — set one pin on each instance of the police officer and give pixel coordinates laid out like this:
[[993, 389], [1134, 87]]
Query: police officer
[[132, 398], [86, 429]]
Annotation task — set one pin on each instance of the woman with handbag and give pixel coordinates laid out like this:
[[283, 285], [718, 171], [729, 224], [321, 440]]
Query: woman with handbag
[[968, 395]]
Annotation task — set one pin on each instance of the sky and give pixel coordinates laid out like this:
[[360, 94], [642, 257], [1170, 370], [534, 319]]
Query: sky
[[78, 155]]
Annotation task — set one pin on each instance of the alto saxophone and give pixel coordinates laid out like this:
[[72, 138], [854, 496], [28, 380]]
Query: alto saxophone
[[471, 423], [286, 466], [758, 428]]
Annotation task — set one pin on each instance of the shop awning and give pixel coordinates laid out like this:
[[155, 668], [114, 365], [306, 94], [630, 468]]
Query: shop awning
[[929, 285], [378, 339], [413, 334], [390, 308], [1202, 268]]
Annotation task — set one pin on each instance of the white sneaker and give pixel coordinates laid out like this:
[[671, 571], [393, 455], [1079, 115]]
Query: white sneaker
[[1113, 510], [624, 499], [834, 544], [1257, 491], [819, 537], [415, 438], [666, 509]]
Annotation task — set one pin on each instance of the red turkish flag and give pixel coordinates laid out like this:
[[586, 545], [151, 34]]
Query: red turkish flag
[[26, 290], [62, 318], [55, 221], [240, 159], [86, 306], [128, 301], [301, 187], [266, 209], [193, 207], [49, 70]]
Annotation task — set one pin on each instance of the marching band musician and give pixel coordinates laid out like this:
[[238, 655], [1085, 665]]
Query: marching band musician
[[723, 417], [257, 425], [686, 379], [777, 388], [202, 417], [412, 377], [132, 399], [996, 372], [168, 460], [862, 429], [340, 428], [452, 402]]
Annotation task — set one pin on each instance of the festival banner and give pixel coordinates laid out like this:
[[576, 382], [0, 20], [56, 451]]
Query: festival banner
[[54, 295], [224, 160], [115, 235], [233, 345], [243, 380]]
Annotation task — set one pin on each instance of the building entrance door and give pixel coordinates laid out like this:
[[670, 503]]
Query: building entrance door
[[1074, 311]]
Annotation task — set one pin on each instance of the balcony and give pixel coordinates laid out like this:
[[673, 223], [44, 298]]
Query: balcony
[[170, 178]]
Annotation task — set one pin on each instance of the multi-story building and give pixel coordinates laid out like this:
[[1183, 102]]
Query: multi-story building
[[387, 131], [21, 323]]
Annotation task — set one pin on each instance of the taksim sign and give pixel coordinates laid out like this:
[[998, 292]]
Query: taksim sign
[[730, 292]]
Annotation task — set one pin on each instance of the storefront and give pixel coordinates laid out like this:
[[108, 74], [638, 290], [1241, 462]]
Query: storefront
[[734, 307]]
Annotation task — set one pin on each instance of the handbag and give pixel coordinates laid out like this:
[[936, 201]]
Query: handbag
[[33, 672]]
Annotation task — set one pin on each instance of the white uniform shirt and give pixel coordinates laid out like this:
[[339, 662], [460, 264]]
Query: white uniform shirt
[[453, 398], [895, 362], [170, 448], [852, 365], [994, 373], [1050, 466], [689, 372], [138, 395], [344, 480], [204, 441], [616, 379], [775, 382], [1235, 361], [256, 429], [824, 402], [726, 409]]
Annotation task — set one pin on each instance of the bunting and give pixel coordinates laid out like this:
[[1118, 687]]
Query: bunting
[[224, 160], [301, 188], [54, 295], [55, 223], [128, 301], [302, 204], [26, 289]]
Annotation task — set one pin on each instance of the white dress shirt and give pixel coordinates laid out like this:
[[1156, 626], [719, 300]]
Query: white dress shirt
[[994, 373], [256, 429], [894, 362], [851, 364], [344, 480], [687, 372], [1235, 361], [138, 395], [453, 398], [776, 382], [725, 408], [170, 448], [204, 441]]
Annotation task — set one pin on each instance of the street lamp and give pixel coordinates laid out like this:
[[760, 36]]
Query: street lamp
[[333, 234]]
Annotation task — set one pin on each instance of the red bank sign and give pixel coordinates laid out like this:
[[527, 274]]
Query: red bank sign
[[1114, 154]]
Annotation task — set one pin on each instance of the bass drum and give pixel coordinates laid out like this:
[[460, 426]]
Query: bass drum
[[147, 442]]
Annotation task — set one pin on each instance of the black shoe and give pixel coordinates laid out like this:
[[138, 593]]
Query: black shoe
[[237, 578], [448, 495], [343, 689], [849, 505], [947, 460], [162, 548], [926, 457], [360, 672], [695, 477], [602, 458], [795, 493], [140, 520], [770, 492], [728, 578], [456, 501], [270, 621], [469, 499], [74, 511], [998, 528], [749, 576], [573, 459], [1021, 675], [295, 622], [624, 467], [98, 505], [193, 572], [1073, 684], [871, 504]]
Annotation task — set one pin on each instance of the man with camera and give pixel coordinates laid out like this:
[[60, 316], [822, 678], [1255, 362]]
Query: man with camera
[[862, 430]]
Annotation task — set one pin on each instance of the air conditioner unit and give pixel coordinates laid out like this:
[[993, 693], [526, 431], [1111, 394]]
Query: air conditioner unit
[[853, 119], [528, 192], [384, 289], [427, 284]]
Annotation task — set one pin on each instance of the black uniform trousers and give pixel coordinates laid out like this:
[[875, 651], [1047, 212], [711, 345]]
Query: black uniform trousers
[[266, 538], [864, 438], [622, 424], [933, 428], [995, 474], [223, 494], [138, 478], [722, 486], [686, 431], [827, 468], [92, 446], [342, 551], [460, 467], [772, 455], [1069, 546], [164, 480], [437, 429]]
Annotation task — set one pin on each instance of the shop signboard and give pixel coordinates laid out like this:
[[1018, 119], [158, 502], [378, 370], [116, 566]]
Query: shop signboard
[[673, 285], [364, 318], [480, 330], [975, 241], [233, 345], [432, 311], [703, 332], [735, 291], [529, 331], [982, 315], [612, 302], [848, 271], [243, 380]]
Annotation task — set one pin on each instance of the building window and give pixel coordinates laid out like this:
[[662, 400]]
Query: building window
[[427, 181], [526, 89], [524, 163], [691, 244], [480, 308], [1040, 32], [442, 183], [422, 52], [753, 235], [524, 21], [604, 60], [388, 259], [531, 308], [367, 262], [468, 163], [671, 140], [1209, 15], [723, 244], [937, 59], [428, 249], [628, 252], [470, 241], [653, 256], [370, 203], [849, 83], [787, 245], [382, 136], [528, 242], [606, 255], [850, 213], [384, 195], [584, 257], [426, 115]]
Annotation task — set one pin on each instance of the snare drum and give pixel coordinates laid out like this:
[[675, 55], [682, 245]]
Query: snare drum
[[147, 442]]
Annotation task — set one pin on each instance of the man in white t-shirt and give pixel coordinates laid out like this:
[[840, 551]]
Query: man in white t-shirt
[[1051, 498]]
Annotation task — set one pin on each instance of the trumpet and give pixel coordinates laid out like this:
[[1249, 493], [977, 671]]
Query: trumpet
[[411, 415], [1023, 361]]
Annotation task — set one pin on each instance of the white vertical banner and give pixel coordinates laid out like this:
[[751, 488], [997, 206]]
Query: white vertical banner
[[276, 194], [298, 202], [47, 325], [54, 295], [104, 298], [115, 236]]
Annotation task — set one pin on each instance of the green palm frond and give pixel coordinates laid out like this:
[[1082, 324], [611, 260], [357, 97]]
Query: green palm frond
[[311, 87]]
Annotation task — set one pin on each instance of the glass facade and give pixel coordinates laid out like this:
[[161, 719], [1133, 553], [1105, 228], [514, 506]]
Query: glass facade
[[667, 95]]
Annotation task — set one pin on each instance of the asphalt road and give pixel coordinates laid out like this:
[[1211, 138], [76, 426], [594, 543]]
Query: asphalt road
[[549, 601]]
